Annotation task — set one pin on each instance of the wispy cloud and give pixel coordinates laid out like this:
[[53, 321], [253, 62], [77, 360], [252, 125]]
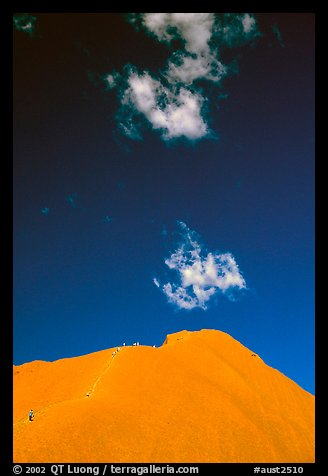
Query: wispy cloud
[[236, 29], [278, 35], [111, 79], [45, 211], [164, 231], [71, 200], [24, 22], [200, 274], [171, 101], [156, 282]]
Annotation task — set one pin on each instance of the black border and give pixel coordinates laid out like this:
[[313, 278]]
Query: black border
[[6, 313]]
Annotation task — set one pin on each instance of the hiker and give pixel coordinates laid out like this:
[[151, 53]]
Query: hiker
[[31, 415]]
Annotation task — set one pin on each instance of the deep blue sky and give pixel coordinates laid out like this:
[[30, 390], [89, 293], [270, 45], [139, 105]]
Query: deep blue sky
[[84, 282]]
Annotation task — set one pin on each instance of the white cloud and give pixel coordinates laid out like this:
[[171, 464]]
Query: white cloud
[[71, 199], [171, 100], [175, 112], [111, 80], [45, 211], [24, 22], [249, 23], [200, 275], [156, 282]]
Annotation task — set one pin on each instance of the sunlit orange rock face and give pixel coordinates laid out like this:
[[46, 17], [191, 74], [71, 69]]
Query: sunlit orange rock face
[[200, 397]]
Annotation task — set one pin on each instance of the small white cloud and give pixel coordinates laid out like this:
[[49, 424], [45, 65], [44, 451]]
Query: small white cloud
[[195, 29], [71, 199], [111, 80], [156, 282], [45, 211], [249, 23], [200, 275], [24, 22]]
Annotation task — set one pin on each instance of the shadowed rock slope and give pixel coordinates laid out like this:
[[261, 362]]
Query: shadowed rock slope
[[200, 397]]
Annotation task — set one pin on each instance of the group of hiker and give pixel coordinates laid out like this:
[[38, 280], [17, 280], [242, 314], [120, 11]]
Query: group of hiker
[[31, 413]]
